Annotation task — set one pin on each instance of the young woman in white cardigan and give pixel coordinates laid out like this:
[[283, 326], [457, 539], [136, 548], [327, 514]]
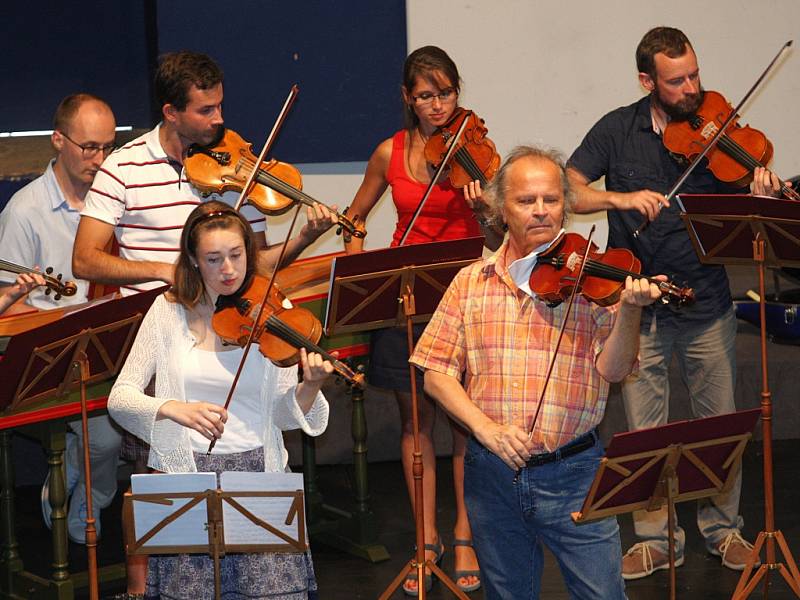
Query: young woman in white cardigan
[[193, 372]]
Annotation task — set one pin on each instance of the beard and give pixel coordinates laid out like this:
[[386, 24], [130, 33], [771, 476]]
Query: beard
[[682, 110]]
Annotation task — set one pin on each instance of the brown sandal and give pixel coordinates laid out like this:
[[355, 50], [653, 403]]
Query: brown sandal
[[459, 573]]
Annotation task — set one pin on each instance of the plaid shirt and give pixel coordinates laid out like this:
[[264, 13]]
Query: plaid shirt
[[504, 339]]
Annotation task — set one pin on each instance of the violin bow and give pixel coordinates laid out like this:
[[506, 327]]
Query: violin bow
[[248, 186], [245, 190], [553, 357], [435, 178], [720, 132]]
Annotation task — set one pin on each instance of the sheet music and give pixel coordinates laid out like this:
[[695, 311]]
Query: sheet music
[[190, 528], [238, 528]]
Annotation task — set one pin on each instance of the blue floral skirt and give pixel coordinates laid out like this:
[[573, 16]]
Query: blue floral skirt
[[284, 576]]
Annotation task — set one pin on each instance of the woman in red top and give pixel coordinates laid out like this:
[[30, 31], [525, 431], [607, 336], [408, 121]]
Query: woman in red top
[[431, 85]]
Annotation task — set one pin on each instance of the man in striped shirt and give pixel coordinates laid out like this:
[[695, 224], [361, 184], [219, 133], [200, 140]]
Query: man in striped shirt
[[141, 195], [491, 332]]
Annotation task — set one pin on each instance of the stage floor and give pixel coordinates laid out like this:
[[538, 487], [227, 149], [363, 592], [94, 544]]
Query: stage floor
[[341, 576]]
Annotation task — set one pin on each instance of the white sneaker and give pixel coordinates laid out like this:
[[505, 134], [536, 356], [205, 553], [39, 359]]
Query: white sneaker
[[642, 560], [735, 551]]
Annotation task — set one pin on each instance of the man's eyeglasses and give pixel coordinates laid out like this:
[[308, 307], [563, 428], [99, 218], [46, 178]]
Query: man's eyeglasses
[[91, 150], [426, 97]]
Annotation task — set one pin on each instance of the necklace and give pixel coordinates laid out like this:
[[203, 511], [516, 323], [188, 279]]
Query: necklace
[[424, 139]]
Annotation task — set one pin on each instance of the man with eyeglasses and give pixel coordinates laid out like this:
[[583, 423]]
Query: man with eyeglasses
[[37, 228]]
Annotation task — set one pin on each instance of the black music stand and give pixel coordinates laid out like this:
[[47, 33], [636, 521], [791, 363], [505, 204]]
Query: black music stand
[[393, 287], [44, 367], [686, 460], [745, 230]]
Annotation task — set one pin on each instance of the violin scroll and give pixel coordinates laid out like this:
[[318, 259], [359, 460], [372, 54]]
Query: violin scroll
[[53, 284]]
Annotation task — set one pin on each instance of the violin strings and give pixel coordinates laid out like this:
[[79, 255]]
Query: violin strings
[[288, 334], [743, 157], [466, 160], [278, 184], [19, 269], [602, 270]]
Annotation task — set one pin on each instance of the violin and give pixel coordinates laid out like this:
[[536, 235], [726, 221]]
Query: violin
[[53, 284], [737, 153], [476, 158], [557, 269], [226, 164], [280, 331]]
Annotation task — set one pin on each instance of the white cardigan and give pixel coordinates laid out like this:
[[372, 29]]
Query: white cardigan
[[160, 348]]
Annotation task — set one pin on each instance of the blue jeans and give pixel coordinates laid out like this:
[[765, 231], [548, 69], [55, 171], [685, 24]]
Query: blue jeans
[[512, 521], [706, 355]]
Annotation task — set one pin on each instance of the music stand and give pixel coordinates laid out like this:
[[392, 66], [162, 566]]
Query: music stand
[[727, 229], [42, 367], [685, 460], [171, 518], [378, 289]]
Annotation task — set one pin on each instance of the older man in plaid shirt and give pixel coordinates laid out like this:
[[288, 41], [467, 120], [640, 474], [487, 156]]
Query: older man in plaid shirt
[[491, 332]]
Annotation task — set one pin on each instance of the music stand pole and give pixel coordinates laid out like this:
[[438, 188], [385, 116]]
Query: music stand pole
[[419, 562], [789, 571], [81, 366], [717, 230]]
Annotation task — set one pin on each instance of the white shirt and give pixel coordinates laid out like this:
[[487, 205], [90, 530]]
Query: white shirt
[[208, 376], [37, 228]]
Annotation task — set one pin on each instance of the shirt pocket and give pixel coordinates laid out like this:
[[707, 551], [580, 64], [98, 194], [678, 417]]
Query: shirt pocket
[[631, 176]]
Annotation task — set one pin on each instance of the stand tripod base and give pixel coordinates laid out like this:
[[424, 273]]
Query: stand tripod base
[[412, 567], [788, 571]]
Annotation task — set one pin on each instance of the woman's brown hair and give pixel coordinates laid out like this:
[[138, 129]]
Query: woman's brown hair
[[189, 288]]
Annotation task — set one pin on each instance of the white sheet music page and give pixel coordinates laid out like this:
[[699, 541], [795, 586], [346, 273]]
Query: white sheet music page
[[241, 530], [190, 528]]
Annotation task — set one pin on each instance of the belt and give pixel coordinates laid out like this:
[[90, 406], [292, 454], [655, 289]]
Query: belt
[[579, 444]]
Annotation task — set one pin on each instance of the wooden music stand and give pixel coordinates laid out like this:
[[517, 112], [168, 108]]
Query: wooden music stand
[[389, 288], [745, 230], [41, 370], [686, 460], [218, 503]]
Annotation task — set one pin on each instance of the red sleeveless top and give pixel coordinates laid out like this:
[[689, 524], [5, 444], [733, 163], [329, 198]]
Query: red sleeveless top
[[445, 216]]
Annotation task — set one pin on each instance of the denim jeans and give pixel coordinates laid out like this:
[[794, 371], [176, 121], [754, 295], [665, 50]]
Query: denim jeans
[[512, 521], [706, 355]]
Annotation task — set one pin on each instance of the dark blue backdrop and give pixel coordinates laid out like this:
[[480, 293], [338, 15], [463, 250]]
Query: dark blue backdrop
[[52, 49], [346, 57]]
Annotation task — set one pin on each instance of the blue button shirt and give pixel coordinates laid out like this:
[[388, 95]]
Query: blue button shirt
[[623, 148], [37, 228]]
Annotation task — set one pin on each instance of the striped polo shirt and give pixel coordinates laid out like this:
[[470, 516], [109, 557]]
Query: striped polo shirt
[[139, 191]]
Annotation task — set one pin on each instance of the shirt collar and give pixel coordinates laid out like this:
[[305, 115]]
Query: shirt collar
[[55, 196], [518, 272], [154, 143], [644, 117]]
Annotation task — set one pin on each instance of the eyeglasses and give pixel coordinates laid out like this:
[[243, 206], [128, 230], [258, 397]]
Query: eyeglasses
[[91, 150], [443, 96]]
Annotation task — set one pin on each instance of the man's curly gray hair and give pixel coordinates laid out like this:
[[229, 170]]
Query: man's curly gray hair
[[495, 193]]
